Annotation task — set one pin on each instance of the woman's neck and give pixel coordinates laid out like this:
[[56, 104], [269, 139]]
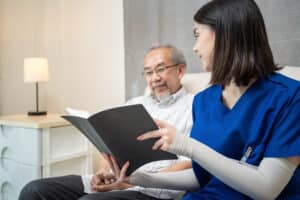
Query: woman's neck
[[232, 93]]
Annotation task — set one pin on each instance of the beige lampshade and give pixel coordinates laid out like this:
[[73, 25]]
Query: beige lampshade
[[35, 69]]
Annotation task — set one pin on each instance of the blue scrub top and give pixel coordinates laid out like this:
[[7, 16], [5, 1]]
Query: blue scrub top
[[266, 119]]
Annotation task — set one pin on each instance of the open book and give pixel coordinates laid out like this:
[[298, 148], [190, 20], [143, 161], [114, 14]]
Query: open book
[[114, 131]]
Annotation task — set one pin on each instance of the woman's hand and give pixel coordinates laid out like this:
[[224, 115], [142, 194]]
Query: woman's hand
[[169, 140], [166, 133]]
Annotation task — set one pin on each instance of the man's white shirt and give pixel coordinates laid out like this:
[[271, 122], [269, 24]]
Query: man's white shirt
[[176, 110]]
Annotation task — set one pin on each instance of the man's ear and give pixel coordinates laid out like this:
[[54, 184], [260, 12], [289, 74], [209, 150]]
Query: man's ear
[[181, 69]]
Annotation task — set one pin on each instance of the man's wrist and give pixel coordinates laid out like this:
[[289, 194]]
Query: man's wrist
[[124, 186]]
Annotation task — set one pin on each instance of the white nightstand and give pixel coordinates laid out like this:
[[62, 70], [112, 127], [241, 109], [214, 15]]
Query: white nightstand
[[34, 147]]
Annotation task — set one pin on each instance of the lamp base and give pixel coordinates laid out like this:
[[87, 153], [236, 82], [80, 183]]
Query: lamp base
[[37, 113]]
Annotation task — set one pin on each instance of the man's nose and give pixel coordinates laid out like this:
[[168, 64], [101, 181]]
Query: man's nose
[[195, 48], [155, 77]]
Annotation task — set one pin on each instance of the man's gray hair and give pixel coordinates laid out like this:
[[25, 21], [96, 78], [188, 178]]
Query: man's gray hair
[[176, 55]]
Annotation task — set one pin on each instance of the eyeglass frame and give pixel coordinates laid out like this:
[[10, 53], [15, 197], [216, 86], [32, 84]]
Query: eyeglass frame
[[156, 70]]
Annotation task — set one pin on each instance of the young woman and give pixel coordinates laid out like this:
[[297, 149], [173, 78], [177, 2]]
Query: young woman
[[245, 140]]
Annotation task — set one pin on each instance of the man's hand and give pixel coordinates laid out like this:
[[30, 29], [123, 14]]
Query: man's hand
[[119, 173], [110, 187], [103, 178], [104, 182]]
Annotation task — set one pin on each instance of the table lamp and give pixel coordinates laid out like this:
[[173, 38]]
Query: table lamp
[[36, 70]]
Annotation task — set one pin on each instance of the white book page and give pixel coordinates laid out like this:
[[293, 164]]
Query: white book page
[[78, 113]]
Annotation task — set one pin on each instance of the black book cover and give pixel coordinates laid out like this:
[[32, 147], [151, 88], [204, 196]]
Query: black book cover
[[114, 131]]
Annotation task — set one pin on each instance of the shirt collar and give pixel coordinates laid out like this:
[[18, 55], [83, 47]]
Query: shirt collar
[[169, 100]]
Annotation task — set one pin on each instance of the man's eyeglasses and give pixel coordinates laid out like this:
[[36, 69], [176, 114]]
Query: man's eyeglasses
[[158, 70]]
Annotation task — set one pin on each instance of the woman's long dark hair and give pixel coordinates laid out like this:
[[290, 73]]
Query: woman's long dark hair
[[242, 51]]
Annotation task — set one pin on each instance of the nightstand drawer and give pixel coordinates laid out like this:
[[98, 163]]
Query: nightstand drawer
[[14, 144], [14, 176], [33, 147]]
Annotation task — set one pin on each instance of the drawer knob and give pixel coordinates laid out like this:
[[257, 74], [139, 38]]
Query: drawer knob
[[2, 151], [6, 186], [2, 156]]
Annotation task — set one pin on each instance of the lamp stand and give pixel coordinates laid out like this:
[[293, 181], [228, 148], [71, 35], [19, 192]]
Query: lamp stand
[[37, 112]]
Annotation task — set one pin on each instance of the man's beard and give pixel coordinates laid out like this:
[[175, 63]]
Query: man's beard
[[163, 97]]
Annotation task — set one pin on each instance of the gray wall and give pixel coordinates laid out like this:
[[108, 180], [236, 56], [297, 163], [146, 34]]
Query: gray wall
[[171, 21], [283, 26]]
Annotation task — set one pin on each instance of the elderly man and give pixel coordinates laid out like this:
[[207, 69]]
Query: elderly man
[[164, 66]]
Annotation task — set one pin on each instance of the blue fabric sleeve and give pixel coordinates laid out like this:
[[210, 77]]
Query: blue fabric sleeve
[[193, 109], [285, 140]]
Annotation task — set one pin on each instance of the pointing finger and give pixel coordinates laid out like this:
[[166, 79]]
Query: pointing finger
[[151, 134]]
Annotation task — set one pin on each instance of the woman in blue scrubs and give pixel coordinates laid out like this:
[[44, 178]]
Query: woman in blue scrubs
[[245, 141]]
